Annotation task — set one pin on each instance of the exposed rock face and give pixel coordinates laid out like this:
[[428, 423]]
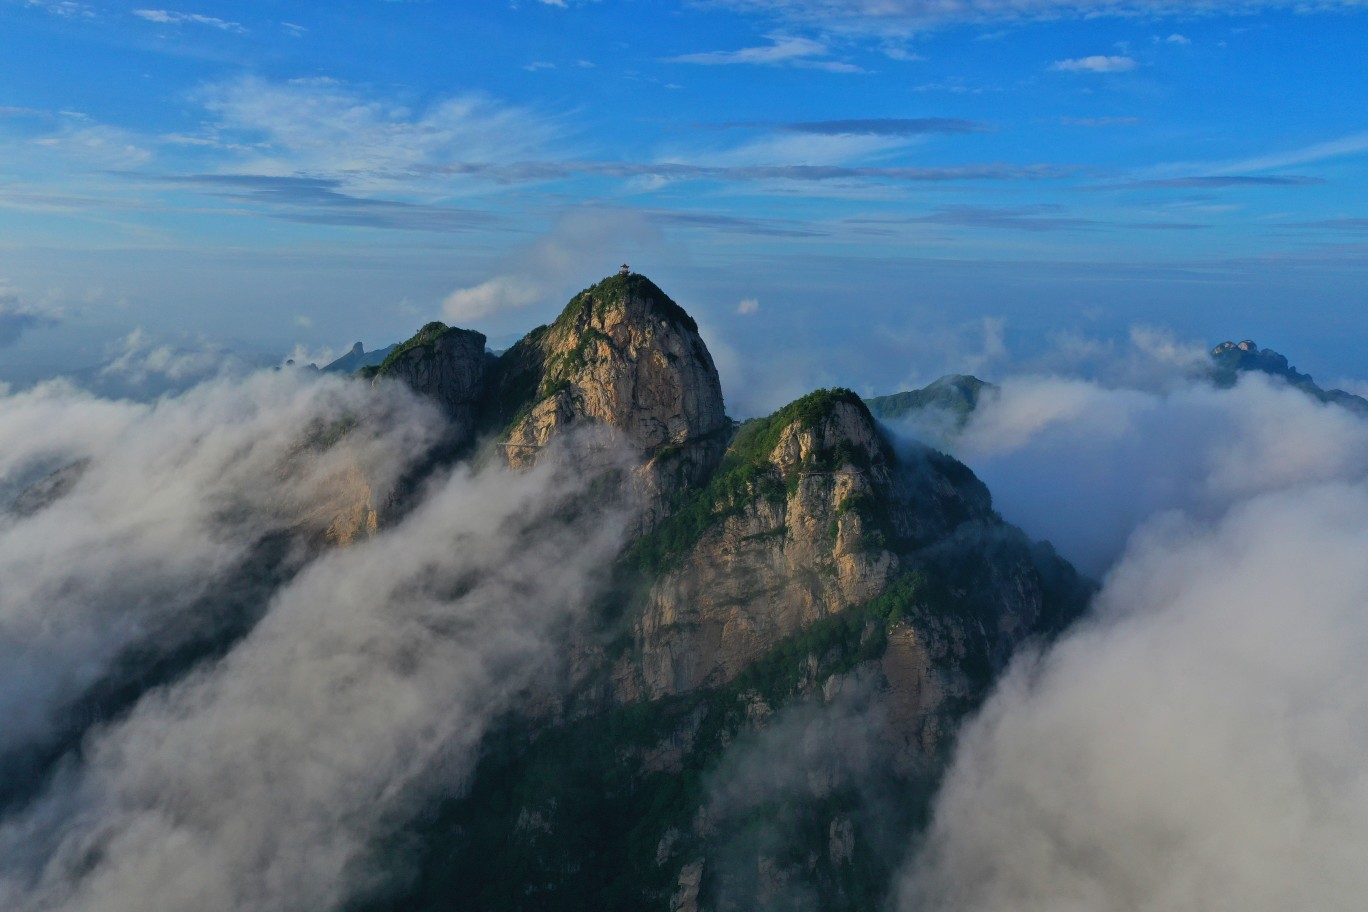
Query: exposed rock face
[[446, 364], [626, 360], [811, 514], [345, 510]]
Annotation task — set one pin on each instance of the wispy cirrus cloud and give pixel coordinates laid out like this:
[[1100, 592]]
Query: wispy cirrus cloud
[[871, 126], [1042, 217], [1217, 182], [783, 50], [908, 15], [1341, 147], [982, 171], [323, 126], [322, 201], [172, 17], [66, 9]]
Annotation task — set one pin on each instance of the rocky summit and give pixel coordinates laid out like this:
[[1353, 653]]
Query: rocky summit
[[797, 583], [1230, 359], [624, 358]]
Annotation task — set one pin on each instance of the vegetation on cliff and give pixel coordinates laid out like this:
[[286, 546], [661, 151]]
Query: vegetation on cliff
[[748, 472]]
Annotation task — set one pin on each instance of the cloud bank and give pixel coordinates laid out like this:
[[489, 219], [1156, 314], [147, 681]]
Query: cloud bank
[[1199, 745], [1084, 465], [1197, 742], [261, 779], [129, 531]]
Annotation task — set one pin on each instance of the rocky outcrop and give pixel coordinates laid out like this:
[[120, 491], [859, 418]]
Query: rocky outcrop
[[1230, 359], [627, 362], [445, 364], [358, 358], [811, 513]]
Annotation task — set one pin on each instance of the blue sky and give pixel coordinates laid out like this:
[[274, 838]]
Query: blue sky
[[863, 192]]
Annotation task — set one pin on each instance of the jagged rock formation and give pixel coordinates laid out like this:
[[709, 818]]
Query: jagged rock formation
[[627, 361], [807, 518], [1230, 359], [445, 364], [358, 358]]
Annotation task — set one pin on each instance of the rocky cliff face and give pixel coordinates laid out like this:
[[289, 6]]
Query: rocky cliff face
[[811, 515], [626, 361], [447, 365], [796, 528]]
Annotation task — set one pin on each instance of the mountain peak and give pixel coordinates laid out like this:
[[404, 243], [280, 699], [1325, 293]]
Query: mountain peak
[[616, 291], [1231, 359], [625, 358]]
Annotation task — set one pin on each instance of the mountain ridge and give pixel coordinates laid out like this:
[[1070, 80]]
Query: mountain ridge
[[779, 563]]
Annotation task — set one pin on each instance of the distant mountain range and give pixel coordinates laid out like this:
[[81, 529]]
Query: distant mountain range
[[358, 358], [955, 397]]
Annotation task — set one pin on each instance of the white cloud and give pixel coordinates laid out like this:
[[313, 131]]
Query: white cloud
[[1198, 745], [1353, 144], [906, 16], [67, 9], [1095, 64], [264, 780], [547, 271], [1083, 465], [502, 293], [324, 127], [146, 550], [783, 50], [139, 359], [171, 17], [748, 306]]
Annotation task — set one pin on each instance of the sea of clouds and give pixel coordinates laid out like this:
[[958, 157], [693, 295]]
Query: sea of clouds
[[1196, 742], [353, 684]]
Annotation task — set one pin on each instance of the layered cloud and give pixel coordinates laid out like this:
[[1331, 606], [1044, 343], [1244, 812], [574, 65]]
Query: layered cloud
[[133, 530], [857, 14], [261, 777], [1198, 745], [1084, 465]]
